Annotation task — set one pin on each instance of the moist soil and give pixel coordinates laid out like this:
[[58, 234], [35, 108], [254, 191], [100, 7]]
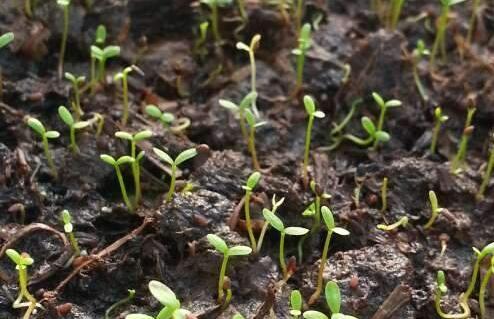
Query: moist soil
[[381, 274]]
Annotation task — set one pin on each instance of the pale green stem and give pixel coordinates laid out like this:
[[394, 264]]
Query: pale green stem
[[49, 157], [487, 175], [307, 149], [483, 287], [74, 244], [252, 149], [122, 188], [320, 274], [125, 91], [169, 195], [221, 279], [473, 20], [248, 223], [64, 40], [282, 256]]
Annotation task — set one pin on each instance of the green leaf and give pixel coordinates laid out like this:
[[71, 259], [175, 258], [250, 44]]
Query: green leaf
[[379, 100], [167, 118], [166, 313], [368, 125], [453, 2], [393, 103], [65, 115], [185, 155], [382, 136], [108, 159], [153, 111], [138, 316], [273, 220], [81, 124], [295, 313], [229, 105], [100, 37], [296, 231], [69, 76], [162, 293], [333, 296], [239, 251], [52, 134], [249, 116], [341, 231], [6, 39], [36, 125], [124, 135], [238, 316], [248, 100], [124, 160], [310, 107], [142, 135], [311, 314], [296, 300], [14, 256], [111, 51], [163, 156], [441, 282], [328, 218], [310, 210], [218, 243], [63, 3], [96, 53], [433, 201], [140, 155], [319, 114], [66, 218], [253, 180]]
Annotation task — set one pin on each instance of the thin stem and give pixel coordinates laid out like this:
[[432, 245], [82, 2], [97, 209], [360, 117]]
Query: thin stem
[[74, 244], [487, 175], [253, 76], [77, 108], [380, 124], [214, 22], [172, 183], [418, 82], [221, 279], [282, 256], [482, 290], [384, 195], [439, 41], [261, 236], [241, 9], [64, 40], [307, 149], [298, 15], [28, 8], [243, 126], [49, 158], [125, 89], [300, 69], [25, 292], [396, 7], [73, 144], [317, 215], [473, 20], [252, 149], [101, 70], [459, 159], [248, 223], [320, 274], [136, 172], [92, 84], [463, 305], [122, 188]]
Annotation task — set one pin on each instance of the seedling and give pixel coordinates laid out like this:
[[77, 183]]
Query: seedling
[[116, 163], [395, 12], [435, 209], [100, 39], [384, 195], [483, 288], [333, 299], [6, 38], [199, 45], [122, 76], [441, 290], [310, 108], [220, 245], [488, 172], [418, 53], [251, 143], [100, 123], [440, 41], [167, 298], [401, 222], [328, 218], [76, 86], [182, 157], [102, 55], [304, 43], [487, 250], [473, 20], [213, 6], [250, 49], [130, 296], [64, 4], [274, 207], [314, 208], [69, 230], [239, 110], [136, 170], [249, 187], [277, 224], [459, 160], [375, 136], [167, 118], [439, 119], [22, 261], [336, 133], [39, 128], [67, 118], [296, 304], [383, 106]]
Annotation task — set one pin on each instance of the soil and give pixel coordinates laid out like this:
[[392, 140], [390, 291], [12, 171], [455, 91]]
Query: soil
[[382, 275]]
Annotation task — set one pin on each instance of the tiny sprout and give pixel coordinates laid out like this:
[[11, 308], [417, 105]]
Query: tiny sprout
[[441, 290], [130, 296], [199, 45], [314, 208], [167, 118], [304, 43], [213, 6], [435, 209], [384, 195], [64, 4], [459, 160], [418, 53], [220, 245], [296, 304], [22, 261], [39, 128], [277, 224], [239, 110], [488, 172], [250, 49], [6, 38], [473, 20], [67, 118], [182, 157], [483, 288], [401, 222], [252, 181], [69, 228], [100, 38], [251, 143], [275, 204], [328, 218], [439, 119], [333, 299], [136, 171], [76, 85], [125, 91], [375, 135], [487, 250], [168, 299], [116, 164], [384, 106], [310, 108], [102, 55]]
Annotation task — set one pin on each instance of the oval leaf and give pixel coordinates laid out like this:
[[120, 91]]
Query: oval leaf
[[162, 293], [14, 256], [328, 218], [163, 156], [239, 251], [253, 180], [333, 296], [36, 125], [341, 231], [311, 314], [124, 135], [81, 125], [296, 231], [185, 155], [273, 220], [153, 111], [296, 300], [6, 39], [52, 134], [382, 136], [124, 160], [379, 100], [142, 135], [138, 316], [368, 125], [228, 105], [218, 243], [108, 159], [310, 107]]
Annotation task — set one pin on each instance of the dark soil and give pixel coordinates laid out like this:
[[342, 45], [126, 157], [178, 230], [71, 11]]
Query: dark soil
[[381, 274]]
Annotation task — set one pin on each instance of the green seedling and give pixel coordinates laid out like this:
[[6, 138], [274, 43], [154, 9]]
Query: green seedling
[[122, 76], [100, 123], [314, 209], [483, 288], [220, 245], [359, 183], [251, 143], [65, 5], [418, 53], [116, 163], [238, 316], [336, 133], [487, 173], [45, 135], [214, 6], [439, 119], [76, 87], [375, 136], [304, 43], [296, 304], [136, 170], [130, 296], [252, 181], [435, 210], [401, 222], [481, 255], [328, 218], [310, 108], [69, 230], [459, 159], [384, 195], [277, 224], [383, 106], [333, 299], [6, 38], [200, 44], [250, 49], [102, 56], [67, 118], [473, 20], [167, 118], [22, 261], [167, 298], [239, 110], [274, 207], [394, 13], [182, 157], [441, 290], [100, 39], [440, 40]]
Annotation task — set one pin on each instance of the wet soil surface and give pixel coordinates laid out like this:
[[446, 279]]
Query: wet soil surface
[[381, 274]]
